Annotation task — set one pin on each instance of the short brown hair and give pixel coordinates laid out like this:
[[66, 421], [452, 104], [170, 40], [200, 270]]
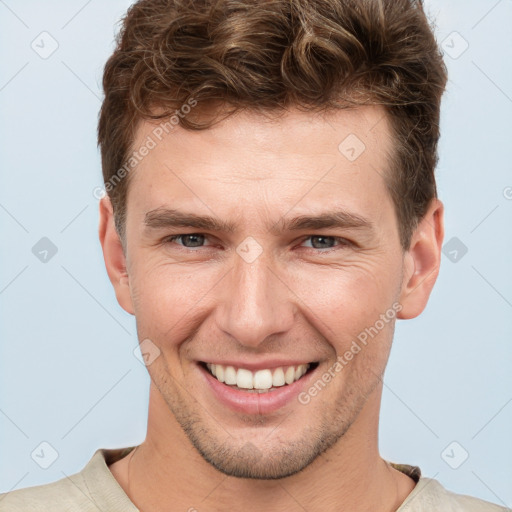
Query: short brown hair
[[267, 55]]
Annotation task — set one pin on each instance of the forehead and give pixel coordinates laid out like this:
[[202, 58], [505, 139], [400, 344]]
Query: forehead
[[283, 133], [250, 158]]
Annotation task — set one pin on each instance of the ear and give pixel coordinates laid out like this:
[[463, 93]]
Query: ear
[[113, 254], [422, 261]]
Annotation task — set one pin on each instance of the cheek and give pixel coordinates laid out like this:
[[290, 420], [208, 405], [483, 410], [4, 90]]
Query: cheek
[[168, 298], [340, 301], [346, 299]]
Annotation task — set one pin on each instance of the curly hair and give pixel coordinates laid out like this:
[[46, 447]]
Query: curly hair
[[268, 55]]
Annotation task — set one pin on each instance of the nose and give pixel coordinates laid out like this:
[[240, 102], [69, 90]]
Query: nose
[[256, 302]]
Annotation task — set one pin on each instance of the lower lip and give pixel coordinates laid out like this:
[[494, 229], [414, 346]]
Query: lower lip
[[256, 403]]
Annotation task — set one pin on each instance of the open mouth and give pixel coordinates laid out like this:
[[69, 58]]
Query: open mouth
[[260, 381]]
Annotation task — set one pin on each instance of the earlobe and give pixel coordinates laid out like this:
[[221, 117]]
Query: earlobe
[[113, 255], [422, 261]]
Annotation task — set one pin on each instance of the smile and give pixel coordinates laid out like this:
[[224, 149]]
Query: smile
[[256, 387], [260, 381]]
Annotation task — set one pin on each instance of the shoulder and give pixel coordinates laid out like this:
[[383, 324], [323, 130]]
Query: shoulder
[[429, 495], [67, 494], [90, 490]]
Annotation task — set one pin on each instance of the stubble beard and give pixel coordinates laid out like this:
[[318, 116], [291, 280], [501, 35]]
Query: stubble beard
[[278, 457]]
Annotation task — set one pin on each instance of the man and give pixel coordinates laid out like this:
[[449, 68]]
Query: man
[[271, 210]]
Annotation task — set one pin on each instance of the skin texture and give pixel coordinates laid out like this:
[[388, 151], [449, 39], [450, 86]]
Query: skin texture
[[302, 298]]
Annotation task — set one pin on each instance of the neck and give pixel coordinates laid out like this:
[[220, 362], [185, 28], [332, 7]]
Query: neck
[[350, 476]]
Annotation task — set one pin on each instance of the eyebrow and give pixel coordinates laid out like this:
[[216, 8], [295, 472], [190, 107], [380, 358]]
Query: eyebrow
[[171, 218]]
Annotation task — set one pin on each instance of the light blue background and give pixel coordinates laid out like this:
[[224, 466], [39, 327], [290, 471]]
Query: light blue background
[[67, 369]]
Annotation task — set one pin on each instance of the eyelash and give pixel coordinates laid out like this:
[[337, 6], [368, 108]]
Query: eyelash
[[342, 242]]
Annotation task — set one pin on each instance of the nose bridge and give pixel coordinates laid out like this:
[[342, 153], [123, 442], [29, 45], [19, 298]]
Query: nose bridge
[[255, 302]]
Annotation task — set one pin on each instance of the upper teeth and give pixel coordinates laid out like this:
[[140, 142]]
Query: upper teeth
[[261, 379]]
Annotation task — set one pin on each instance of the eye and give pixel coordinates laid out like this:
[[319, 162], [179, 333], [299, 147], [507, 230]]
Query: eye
[[189, 240], [326, 242], [322, 243]]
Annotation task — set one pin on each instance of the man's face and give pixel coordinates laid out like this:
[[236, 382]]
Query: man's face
[[263, 295]]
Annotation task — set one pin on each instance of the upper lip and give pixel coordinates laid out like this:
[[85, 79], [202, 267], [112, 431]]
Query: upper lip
[[259, 365]]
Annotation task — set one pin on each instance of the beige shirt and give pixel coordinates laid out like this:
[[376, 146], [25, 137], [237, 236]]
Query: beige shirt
[[94, 489]]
